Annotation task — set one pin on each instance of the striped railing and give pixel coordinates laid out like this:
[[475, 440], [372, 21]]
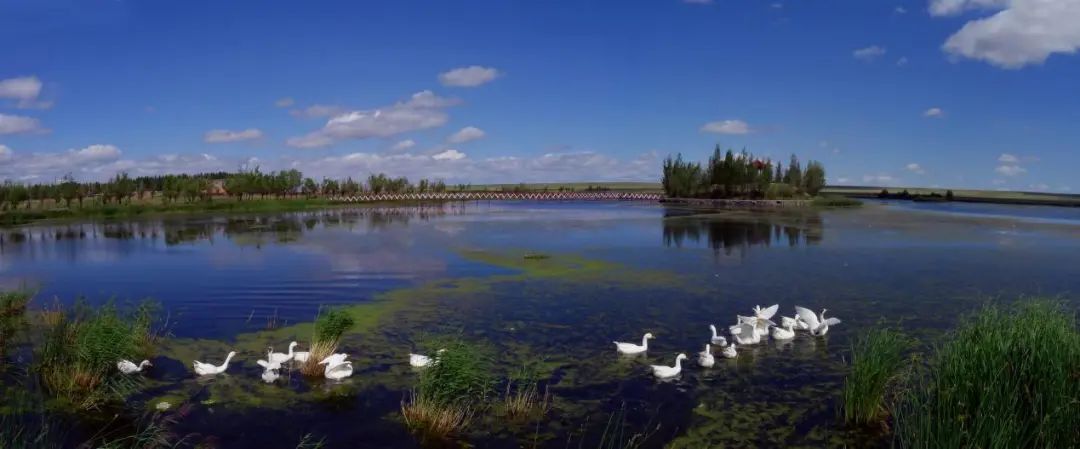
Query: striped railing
[[487, 196]]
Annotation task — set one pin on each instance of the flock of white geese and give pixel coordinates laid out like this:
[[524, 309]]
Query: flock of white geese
[[747, 330], [336, 367]]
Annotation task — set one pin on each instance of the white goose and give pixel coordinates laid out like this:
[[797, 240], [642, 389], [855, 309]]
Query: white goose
[[763, 319], [337, 367], [745, 334], [818, 325], [717, 339], [630, 348], [665, 372], [128, 367], [268, 364], [270, 376], [423, 361], [786, 332], [729, 351], [705, 358], [281, 357], [206, 369]]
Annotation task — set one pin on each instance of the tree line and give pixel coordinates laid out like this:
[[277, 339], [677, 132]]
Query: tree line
[[244, 184], [741, 175]]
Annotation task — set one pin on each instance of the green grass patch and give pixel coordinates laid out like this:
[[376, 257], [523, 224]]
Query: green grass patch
[[224, 205], [1009, 377], [835, 201], [877, 362]]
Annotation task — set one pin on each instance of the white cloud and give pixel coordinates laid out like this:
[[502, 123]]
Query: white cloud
[[403, 145], [1010, 170], [421, 111], [915, 168], [96, 153], [284, 102], [25, 91], [17, 124], [5, 153], [471, 76], [1020, 33], [318, 111], [842, 180], [869, 54], [934, 113], [900, 10], [449, 155], [224, 135], [726, 127], [466, 134], [1008, 158], [102, 161], [902, 61], [1042, 187]]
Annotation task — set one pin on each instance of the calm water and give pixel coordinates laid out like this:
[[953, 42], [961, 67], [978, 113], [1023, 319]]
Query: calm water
[[616, 271]]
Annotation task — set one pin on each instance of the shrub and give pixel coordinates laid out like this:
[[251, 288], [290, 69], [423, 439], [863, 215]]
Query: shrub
[[877, 360], [1008, 377]]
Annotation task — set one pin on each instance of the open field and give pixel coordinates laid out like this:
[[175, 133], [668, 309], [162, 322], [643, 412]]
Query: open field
[[973, 196]]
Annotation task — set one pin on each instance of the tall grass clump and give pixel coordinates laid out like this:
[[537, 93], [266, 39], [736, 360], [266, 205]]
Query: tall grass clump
[[330, 326], [77, 359], [12, 308], [449, 391], [877, 363], [1008, 378], [836, 201], [523, 398]]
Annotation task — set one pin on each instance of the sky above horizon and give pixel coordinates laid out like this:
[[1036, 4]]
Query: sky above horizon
[[938, 93]]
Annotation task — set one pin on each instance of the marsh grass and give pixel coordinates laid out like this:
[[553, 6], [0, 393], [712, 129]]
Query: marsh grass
[[1009, 377], [522, 399], [835, 201], [330, 326], [76, 361], [429, 418], [877, 364], [12, 309], [450, 391]]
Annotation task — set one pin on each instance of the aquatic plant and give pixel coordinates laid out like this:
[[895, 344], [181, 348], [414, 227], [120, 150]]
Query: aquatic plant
[[449, 391], [1008, 377], [309, 442], [77, 358], [877, 362], [12, 307], [330, 326], [523, 398]]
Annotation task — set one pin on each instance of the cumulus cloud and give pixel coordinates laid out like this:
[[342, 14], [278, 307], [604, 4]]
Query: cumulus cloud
[[726, 127], [869, 54], [1008, 158], [902, 61], [471, 76], [1019, 33], [318, 111], [102, 161], [915, 168], [1010, 170], [934, 113], [421, 111], [466, 134], [225, 136], [17, 124], [5, 153], [449, 155], [284, 102], [24, 91], [900, 10]]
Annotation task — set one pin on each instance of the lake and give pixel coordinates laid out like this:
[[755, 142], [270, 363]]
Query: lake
[[611, 271]]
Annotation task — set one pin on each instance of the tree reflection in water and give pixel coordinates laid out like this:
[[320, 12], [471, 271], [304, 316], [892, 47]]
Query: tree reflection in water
[[737, 231]]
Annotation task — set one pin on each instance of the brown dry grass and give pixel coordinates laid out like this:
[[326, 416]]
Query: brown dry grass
[[526, 402], [319, 351], [430, 418]]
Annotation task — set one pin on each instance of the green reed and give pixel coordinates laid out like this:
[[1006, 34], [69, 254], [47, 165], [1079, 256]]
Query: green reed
[[877, 362], [450, 391], [835, 201], [1009, 377]]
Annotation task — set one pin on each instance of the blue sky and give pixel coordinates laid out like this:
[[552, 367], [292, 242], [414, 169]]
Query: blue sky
[[950, 93]]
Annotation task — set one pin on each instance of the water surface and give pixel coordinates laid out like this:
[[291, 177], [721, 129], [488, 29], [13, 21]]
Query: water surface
[[616, 270]]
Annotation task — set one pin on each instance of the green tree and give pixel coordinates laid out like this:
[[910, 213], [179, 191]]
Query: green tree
[[69, 189], [814, 178]]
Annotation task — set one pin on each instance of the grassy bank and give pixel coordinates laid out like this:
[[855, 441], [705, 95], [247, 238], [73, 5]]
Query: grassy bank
[[1008, 377], [149, 208], [961, 195]]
